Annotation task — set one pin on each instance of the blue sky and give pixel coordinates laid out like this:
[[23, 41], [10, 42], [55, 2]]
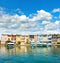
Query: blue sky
[[29, 16], [30, 6]]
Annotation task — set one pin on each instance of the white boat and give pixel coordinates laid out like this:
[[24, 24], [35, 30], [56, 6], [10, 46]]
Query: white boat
[[49, 44], [11, 43], [32, 43], [41, 44]]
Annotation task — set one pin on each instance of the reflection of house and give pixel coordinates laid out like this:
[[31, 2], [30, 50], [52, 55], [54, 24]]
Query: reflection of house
[[22, 49]]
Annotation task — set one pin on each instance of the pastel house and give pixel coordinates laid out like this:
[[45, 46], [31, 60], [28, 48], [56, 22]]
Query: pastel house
[[3, 38]]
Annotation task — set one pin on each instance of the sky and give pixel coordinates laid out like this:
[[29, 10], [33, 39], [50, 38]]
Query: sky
[[30, 16]]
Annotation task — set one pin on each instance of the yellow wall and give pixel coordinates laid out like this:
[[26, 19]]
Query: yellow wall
[[8, 38], [27, 38], [22, 38], [17, 38]]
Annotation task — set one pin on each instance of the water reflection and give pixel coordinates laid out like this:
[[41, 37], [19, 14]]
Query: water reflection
[[12, 53], [27, 49]]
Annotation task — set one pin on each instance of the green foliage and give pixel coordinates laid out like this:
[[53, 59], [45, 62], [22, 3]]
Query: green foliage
[[58, 43], [19, 42]]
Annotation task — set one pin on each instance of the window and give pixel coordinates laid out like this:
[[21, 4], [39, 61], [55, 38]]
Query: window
[[31, 36], [9, 39], [14, 38], [49, 38], [49, 42]]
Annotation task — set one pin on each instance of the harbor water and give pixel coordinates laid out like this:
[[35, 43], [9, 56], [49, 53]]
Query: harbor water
[[27, 54]]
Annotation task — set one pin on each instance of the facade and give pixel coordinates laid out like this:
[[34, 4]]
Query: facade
[[17, 39], [35, 38], [9, 38], [13, 38], [31, 38], [45, 38], [25, 39], [3, 38], [58, 39], [40, 38], [54, 39], [50, 38]]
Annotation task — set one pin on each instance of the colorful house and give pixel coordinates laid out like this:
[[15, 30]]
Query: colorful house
[[58, 39], [25, 39], [44, 40], [3, 38], [49, 38], [9, 38], [31, 38], [54, 39], [18, 39], [13, 38], [35, 38]]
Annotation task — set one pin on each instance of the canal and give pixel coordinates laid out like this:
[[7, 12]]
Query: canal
[[27, 54]]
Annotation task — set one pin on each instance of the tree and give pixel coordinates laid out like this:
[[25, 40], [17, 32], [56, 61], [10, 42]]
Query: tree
[[19, 42]]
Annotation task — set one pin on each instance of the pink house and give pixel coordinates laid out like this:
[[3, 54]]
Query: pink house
[[35, 38]]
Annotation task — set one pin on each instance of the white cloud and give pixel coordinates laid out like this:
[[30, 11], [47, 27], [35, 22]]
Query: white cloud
[[56, 10], [18, 11], [22, 24], [52, 28], [45, 22], [57, 22], [41, 15], [51, 32]]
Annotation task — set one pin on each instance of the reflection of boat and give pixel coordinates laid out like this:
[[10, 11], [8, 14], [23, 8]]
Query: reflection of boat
[[10, 46], [44, 44]]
